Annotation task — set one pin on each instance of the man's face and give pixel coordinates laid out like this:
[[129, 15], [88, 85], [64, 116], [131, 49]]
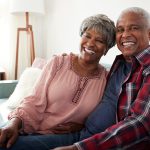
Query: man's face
[[132, 35]]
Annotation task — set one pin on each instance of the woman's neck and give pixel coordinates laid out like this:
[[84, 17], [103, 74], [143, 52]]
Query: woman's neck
[[87, 65], [84, 68]]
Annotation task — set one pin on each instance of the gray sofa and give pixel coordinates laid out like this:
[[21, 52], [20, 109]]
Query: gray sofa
[[6, 89]]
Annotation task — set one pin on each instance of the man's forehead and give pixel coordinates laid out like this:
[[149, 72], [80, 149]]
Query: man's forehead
[[130, 19]]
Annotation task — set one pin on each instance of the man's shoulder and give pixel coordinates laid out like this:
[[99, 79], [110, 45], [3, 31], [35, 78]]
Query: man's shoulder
[[146, 71]]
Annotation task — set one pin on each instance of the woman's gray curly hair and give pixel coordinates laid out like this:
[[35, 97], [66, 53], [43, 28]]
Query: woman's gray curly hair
[[103, 25]]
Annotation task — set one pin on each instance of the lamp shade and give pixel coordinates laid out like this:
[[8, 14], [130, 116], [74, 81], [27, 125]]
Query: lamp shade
[[35, 6]]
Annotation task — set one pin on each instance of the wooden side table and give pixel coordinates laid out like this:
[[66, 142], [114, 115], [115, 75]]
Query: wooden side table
[[2, 74]]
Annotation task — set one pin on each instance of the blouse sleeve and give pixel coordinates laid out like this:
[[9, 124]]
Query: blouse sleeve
[[32, 108]]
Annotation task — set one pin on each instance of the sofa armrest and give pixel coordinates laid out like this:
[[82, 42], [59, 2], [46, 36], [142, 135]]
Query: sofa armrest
[[7, 87]]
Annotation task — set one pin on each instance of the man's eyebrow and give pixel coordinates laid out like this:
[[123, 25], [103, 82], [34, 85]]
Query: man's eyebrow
[[131, 25]]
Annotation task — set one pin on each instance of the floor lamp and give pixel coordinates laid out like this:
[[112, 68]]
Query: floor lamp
[[26, 6]]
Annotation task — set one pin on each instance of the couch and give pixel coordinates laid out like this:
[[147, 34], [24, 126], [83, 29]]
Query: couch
[[12, 92], [6, 89]]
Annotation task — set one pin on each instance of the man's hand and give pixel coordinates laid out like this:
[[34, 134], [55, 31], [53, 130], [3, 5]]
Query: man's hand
[[9, 133], [72, 147], [67, 127]]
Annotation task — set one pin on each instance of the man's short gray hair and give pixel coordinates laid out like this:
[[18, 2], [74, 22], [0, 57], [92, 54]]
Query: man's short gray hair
[[140, 11], [101, 24]]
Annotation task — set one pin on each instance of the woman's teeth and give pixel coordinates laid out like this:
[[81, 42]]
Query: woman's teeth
[[89, 51]]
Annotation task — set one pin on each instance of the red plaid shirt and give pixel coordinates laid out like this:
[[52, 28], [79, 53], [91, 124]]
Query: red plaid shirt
[[132, 130]]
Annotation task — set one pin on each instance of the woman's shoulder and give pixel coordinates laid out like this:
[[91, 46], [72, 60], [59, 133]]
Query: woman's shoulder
[[103, 70], [67, 58], [60, 60]]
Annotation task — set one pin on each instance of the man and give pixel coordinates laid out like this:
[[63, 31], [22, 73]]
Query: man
[[132, 130]]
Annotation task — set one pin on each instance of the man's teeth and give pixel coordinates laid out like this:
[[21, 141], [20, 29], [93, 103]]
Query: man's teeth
[[89, 51], [127, 43]]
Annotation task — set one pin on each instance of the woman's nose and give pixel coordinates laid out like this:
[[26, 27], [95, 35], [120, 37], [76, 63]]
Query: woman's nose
[[90, 42]]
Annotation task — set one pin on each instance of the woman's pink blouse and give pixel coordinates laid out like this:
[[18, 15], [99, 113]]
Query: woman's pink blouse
[[60, 96]]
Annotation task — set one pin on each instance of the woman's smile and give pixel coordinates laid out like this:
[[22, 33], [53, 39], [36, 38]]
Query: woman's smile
[[89, 51]]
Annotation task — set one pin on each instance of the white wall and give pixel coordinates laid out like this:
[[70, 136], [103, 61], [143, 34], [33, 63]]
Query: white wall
[[63, 19], [9, 22]]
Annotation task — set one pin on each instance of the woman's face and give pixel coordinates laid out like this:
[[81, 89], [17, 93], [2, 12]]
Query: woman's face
[[92, 46]]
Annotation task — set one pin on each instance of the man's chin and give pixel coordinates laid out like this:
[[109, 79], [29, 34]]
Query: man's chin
[[127, 53]]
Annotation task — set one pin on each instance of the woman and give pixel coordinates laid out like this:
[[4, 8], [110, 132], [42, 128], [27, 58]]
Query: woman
[[69, 88]]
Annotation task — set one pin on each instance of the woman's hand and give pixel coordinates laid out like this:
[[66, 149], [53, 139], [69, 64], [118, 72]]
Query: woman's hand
[[67, 128], [9, 133], [72, 147]]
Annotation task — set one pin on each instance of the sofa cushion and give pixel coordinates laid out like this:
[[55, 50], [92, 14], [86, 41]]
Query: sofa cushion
[[24, 86], [39, 63], [7, 87], [4, 111]]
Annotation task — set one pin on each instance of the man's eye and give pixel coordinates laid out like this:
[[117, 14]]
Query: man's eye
[[119, 30], [134, 28]]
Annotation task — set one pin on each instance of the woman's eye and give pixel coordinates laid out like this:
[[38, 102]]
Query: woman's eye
[[86, 36], [100, 41]]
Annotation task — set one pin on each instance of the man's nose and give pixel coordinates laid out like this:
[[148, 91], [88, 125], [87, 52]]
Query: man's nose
[[126, 33]]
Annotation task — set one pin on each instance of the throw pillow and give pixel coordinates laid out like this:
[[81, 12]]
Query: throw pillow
[[24, 86], [39, 63]]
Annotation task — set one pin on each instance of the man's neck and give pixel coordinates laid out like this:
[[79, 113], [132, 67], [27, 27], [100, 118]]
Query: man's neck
[[128, 59]]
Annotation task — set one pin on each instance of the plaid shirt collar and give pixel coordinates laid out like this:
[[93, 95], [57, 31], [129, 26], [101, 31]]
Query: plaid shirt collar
[[142, 58]]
